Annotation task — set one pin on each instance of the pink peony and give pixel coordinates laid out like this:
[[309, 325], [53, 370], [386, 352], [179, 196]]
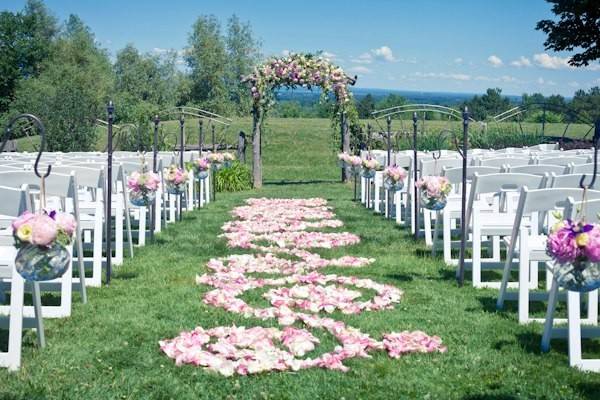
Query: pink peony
[[44, 230], [66, 222], [592, 248], [23, 218], [562, 247]]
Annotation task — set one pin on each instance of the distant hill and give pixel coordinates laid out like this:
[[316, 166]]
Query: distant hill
[[305, 96]]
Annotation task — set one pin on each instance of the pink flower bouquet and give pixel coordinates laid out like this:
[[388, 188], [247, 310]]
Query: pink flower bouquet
[[228, 158], [216, 159], [575, 248], [393, 178], [175, 179], [142, 187], [369, 165], [201, 168], [41, 240], [434, 191]]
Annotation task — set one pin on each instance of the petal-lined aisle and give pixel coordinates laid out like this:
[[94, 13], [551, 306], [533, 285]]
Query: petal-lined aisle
[[282, 230]]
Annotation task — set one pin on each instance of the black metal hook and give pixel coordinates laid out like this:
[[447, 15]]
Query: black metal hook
[[596, 140], [42, 129]]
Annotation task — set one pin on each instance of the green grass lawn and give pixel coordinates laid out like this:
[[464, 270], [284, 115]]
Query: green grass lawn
[[109, 349], [298, 127]]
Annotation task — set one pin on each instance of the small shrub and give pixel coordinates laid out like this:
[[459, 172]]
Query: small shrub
[[233, 179]]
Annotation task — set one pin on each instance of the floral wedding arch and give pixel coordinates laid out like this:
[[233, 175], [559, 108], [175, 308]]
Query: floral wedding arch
[[292, 71]]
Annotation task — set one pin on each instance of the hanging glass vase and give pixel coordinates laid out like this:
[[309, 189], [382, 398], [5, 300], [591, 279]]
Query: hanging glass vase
[[434, 203], [578, 277], [140, 198], [368, 173], [201, 174], [393, 186], [175, 188], [42, 263]]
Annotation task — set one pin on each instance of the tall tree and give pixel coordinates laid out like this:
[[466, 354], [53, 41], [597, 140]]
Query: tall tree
[[70, 92], [578, 28], [365, 106], [25, 43], [488, 105], [207, 60], [243, 52]]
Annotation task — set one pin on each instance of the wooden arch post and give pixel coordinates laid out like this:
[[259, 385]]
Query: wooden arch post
[[256, 148]]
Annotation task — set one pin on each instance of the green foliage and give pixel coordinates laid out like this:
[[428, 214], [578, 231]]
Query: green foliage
[[243, 52], [71, 91], [365, 106], [587, 104], [577, 28], [488, 105], [207, 60], [391, 100], [233, 179], [25, 43], [288, 109], [144, 78]]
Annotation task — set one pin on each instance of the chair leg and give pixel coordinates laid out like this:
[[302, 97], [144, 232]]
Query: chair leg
[[549, 322], [436, 228], [476, 268], [523, 286], [573, 307], [39, 320]]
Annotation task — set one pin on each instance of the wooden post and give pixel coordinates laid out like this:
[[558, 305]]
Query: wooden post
[[256, 150], [345, 133], [241, 149]]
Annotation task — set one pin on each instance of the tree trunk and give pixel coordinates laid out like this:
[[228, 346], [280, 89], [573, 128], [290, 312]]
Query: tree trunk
[[345, 144], [256, 150]]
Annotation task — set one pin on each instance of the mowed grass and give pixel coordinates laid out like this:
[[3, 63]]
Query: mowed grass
[[298, 128], [109, 348]]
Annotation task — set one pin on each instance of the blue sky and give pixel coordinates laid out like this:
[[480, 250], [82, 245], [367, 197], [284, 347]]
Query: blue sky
[[425, 45]]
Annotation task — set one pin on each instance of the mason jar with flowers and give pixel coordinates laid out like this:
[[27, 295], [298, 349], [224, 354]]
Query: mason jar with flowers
[[42, 240], [575, 249], [201, 168], [433, 192], [393, 178], [216, 160], [369, 167], [175, 179], [228, 159], [142, 187]]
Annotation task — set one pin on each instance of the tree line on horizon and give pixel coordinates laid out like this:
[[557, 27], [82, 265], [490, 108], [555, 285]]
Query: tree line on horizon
[[60, 72]]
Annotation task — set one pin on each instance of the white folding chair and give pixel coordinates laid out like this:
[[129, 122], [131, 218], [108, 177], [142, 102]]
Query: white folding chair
[[14, 203], [60, 188], [450, 215], [574, 331], [527, 244], [493, 190]]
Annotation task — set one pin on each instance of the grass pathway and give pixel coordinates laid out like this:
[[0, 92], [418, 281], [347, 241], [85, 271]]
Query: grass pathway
[[109, 349]]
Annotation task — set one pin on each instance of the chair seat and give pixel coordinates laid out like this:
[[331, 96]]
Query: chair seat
[[495, 223], [537, 247]]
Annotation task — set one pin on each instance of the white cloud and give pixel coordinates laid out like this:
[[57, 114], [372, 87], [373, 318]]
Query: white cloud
[[442, 75], [544, 60], [158, 50], [359, 69], [508, 78], [384, 53], [364, 58], [495, 61], [458, 60], [541, 81], [329, 56], [285, 52], [521, 62]]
